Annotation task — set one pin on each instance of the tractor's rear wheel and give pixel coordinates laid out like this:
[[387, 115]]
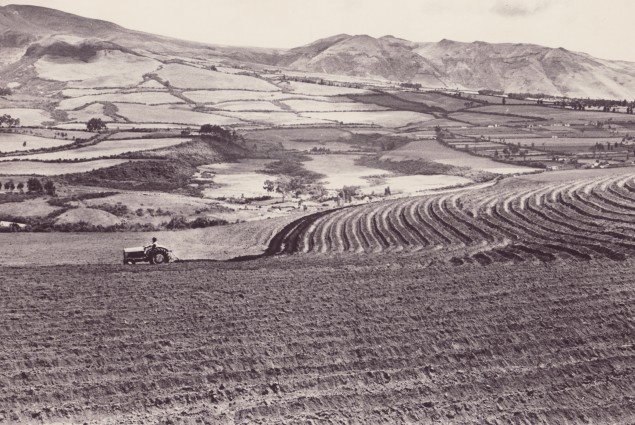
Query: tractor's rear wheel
[[160, 256]]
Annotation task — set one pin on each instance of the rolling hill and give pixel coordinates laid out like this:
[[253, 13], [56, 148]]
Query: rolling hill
[[29, 32]]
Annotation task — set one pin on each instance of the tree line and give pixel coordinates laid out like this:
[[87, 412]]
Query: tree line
[[33, 186]]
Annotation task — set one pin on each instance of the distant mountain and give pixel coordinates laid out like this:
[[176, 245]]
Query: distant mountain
[[30, 32], [478, 65]]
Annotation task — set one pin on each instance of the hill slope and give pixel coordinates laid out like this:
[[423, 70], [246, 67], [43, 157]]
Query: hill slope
[[21, 25]]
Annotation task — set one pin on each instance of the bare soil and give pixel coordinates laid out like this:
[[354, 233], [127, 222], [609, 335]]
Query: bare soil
[[395, 338]]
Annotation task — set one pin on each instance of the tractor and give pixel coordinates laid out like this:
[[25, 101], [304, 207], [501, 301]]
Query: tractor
[[153, 255]]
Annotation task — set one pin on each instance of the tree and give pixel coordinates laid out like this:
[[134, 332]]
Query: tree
[[34, 185], [293, 186], [269, 186], [49, 188], [282, 187], [21, 187], [95, 124], [348, 192], [9, 121], [9, 186]]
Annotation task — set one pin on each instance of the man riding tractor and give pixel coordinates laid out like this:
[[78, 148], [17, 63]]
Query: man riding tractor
[[153, 254]]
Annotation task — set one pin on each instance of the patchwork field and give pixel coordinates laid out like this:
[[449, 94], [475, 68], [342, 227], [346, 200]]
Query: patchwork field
[[94, 110], [108, 69], [28, 208], [256, 105], [300, 105], [165, 114], [321, 90], [188, 77], [146, 98], [237, 179], [436, 100], [323, 134], [431, 150], [103, 149], [380, 118], [274, 119], [551, 113], [484, 119], [54, 169], [413, 185], [88, 92], [219, 96], [27, 116], [11, 142], [341, 170], [567, 142]]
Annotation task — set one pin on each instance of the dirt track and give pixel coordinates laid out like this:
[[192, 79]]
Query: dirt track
[[313, 339]]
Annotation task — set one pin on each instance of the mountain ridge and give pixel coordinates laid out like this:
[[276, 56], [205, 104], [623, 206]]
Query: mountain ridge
[[511, 67]]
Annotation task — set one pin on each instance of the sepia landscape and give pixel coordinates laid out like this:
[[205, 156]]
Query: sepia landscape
[[357, 230]]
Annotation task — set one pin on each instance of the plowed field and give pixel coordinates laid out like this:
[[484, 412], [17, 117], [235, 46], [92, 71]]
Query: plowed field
[[396, 338]]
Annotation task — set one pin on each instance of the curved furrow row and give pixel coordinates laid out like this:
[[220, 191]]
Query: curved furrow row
[[384, 243], [630, 185], [542, 220], [376, 242], [339, 239], [399, 236], [551, 232], [416, 231], [601, 205], [484, 204], [621, 193], [609, 199], [436, 212], [620, 188], [407, 238], [322, 241], [538, 236], [309, 237], [575, 203], [425, 219], [351, 221], [287, 240], [459, 216], [573, 222], [331, 241], [388, 232]]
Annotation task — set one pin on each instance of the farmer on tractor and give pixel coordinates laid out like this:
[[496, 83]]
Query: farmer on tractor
[[153, 245], [153, 254]]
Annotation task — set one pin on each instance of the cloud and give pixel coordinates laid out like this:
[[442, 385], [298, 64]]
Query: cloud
[[520, 8]]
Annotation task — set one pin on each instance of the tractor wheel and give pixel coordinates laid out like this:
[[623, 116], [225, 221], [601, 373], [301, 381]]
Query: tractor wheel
[[160, 256]]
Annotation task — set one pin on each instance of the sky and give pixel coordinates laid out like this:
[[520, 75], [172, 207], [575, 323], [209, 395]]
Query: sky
[[596, 27]]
